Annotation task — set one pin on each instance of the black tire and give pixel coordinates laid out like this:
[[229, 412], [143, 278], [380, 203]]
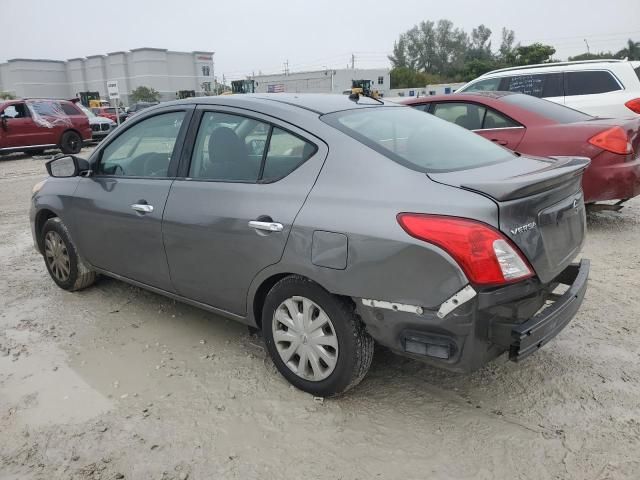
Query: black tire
[[79, 274], [70, 142], [355, 346]]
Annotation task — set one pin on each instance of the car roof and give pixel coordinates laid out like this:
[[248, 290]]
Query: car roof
[[555, 66], [320, 103]]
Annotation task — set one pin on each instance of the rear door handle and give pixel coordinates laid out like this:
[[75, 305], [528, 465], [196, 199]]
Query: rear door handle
[[267, 226], [498, 141], [142, 208]]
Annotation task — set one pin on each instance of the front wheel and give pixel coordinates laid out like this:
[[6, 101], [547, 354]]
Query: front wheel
[[70, 143], [316, 340], [61, 257]]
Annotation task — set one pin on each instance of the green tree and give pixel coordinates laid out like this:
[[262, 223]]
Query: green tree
[[405, 77], [144, 94], [631, 51], [531, 54], [480, 45], [591, 56], [506, 45], [7, 96]]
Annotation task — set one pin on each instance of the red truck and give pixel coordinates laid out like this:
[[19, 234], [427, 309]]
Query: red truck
[[109, 112], [34, 125]]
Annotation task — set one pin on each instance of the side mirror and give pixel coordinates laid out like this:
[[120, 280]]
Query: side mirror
[[3, 121], [63, 166]]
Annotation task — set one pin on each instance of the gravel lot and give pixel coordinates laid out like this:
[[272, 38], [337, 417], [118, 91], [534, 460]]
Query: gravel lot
[[115, 382]]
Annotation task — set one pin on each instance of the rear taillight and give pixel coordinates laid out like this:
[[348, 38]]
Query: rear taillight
[[613, 140], [485, 255], [633, 105]]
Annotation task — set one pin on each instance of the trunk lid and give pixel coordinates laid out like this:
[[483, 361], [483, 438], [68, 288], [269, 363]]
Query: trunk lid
[[540, 205]]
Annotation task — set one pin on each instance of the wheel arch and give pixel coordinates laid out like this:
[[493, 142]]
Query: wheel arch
[[40, 219], [261, 287]]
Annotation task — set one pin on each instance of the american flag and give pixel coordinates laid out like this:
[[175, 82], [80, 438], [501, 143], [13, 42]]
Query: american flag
[[275, 88]]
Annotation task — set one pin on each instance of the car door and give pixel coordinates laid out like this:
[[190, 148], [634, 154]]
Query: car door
[[230, 211], [117, 211], [482, 120], [20, 130], [501, 129]]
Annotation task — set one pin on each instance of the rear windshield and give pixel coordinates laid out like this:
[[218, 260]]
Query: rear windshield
[[547, 109], [418, 141]]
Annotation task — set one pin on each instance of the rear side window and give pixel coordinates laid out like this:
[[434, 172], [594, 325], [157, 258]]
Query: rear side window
[[547, 109], [286, 152], [466, 115], [493, 119], [69, 109], [590, 82], [234, 148], [538, 85], [417, 141]]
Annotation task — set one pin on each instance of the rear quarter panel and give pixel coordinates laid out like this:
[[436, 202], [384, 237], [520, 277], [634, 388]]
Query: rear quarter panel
[[359, 194]]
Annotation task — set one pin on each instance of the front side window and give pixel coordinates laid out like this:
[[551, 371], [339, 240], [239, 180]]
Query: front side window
[[234, 148], [17, 110], [466, 115], [488, 85], [143, 150], [417, 141], [590, 82]]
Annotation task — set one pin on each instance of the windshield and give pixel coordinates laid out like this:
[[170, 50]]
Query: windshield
[[85, 110], [417, 140], [546, 108]]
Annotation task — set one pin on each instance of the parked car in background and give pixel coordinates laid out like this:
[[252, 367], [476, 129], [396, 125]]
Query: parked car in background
[[100, 126], [110, 113], [604, 88], [328, 223], [34, 125], [138, 107], [534, 126]]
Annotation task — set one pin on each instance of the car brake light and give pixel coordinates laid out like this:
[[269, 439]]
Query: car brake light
[[485, 255], [633, 105], [613, 140]]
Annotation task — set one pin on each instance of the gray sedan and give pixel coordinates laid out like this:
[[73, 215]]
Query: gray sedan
[[329, 223]]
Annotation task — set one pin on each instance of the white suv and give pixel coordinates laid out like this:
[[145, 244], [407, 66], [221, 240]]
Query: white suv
[[605, 88]]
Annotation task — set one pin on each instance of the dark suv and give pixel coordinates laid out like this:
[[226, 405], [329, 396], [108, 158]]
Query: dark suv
[[34, 125]]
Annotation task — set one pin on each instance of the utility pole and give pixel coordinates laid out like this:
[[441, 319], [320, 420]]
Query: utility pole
[[353, 62], [587, 43], [286, 67]]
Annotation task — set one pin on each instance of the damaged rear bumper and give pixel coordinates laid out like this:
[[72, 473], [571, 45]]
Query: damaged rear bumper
[[518, 319]]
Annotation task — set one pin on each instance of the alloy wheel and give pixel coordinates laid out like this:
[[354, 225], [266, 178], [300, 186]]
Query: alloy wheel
[[57, 256], [305, 338]]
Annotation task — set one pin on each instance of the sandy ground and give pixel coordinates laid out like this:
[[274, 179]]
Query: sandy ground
[[115, 382]]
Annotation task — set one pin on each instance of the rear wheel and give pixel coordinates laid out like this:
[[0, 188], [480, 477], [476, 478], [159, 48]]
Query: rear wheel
[[316, 340], [61, 257], [70, 142]]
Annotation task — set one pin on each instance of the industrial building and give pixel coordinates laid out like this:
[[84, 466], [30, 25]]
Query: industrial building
[[322, 81], [166, 71]]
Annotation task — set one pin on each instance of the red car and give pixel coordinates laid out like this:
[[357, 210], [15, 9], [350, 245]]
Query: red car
[[109, 112], [534, 126], [34, 125]]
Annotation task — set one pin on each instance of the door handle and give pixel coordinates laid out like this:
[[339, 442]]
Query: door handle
[[142, 208], [498, 141], [267, 226]]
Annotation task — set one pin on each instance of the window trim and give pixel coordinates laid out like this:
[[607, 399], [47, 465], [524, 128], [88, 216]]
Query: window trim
[[96, 158], [272, 122]]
